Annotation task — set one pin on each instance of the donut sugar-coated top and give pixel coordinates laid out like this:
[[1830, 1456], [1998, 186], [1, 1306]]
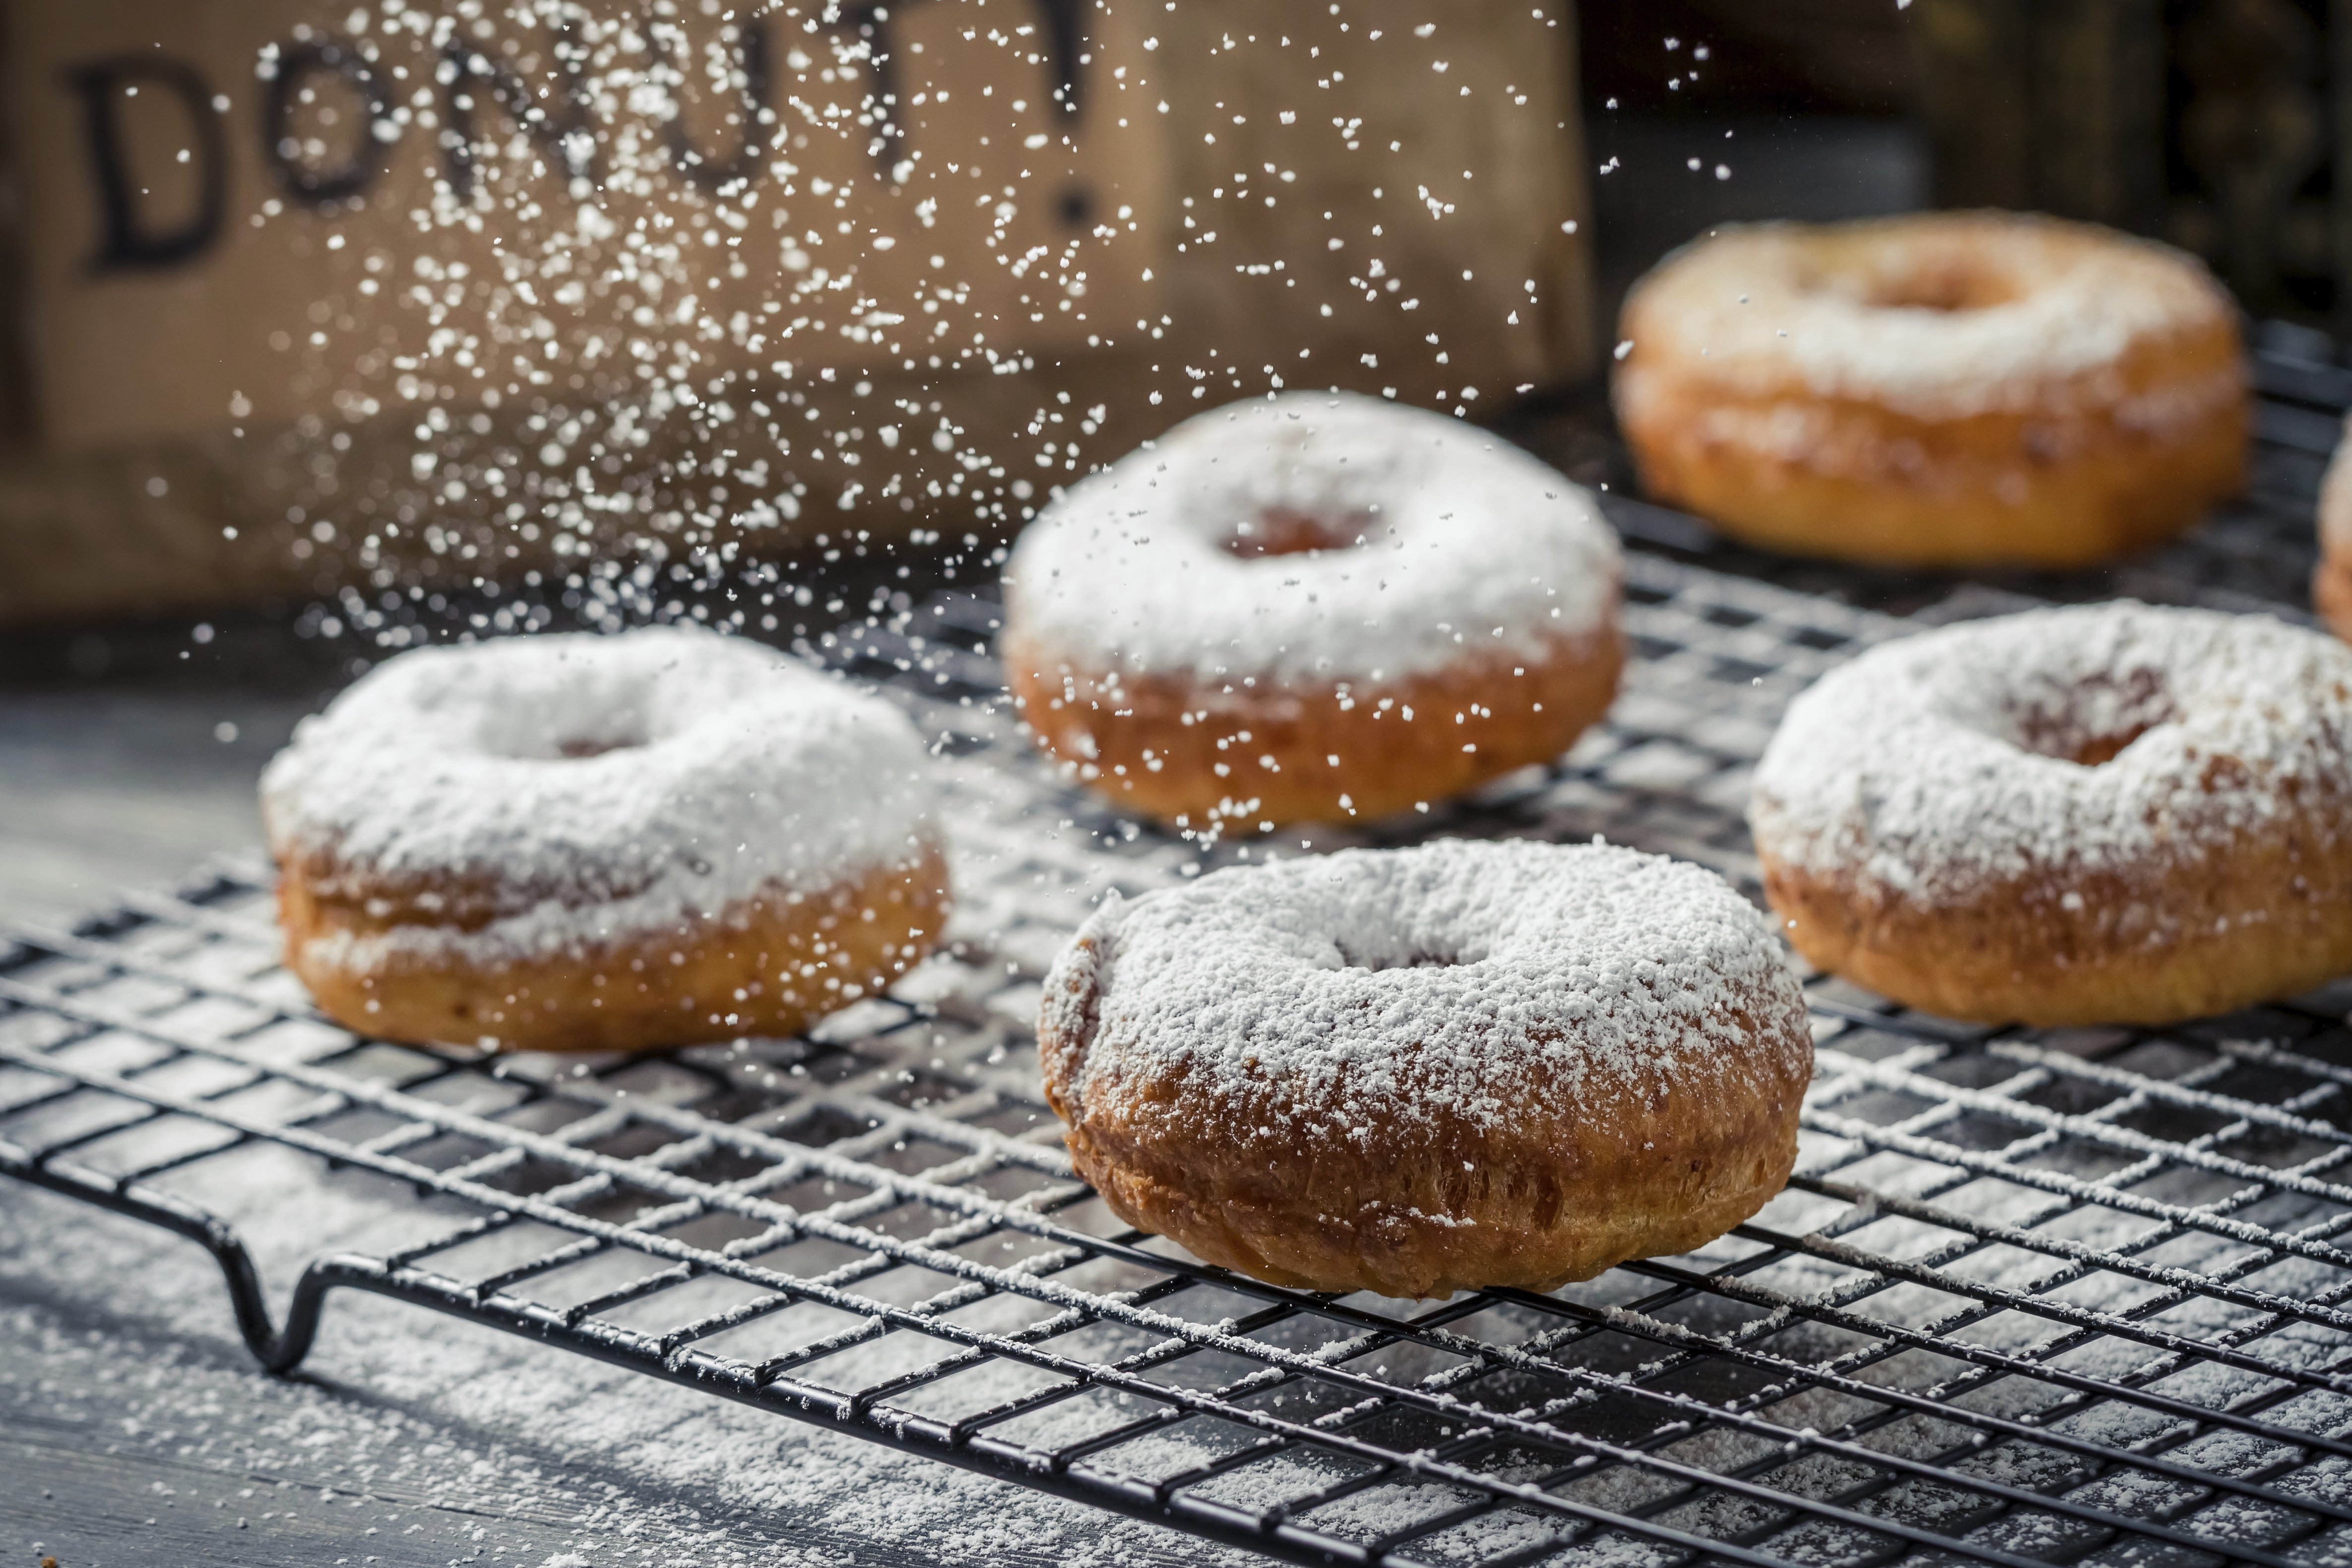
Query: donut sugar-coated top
[[547, 791], [2056, 743], [1939, 316], [1452, 995], [1314, 536]]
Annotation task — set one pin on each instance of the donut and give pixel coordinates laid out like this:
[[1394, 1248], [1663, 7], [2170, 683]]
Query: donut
[[1423, 1071], [2106, 815], [2331, 580], [601, 843], [1311, 607], [1951, 389]]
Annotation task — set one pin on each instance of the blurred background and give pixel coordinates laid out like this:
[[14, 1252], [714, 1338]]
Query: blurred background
[[182, 573]]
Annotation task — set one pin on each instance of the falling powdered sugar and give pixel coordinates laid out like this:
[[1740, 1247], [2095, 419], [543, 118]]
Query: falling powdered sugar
[[1376, 989], [1315, 536], [551, 793], [490, 1432], [2067, 741]]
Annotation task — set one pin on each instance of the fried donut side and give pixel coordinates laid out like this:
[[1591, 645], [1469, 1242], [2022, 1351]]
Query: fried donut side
[[770, 966], [1274, 1068], [1184, 750], [1951, 389], [2106, 815], [2272, 921], [2331, 579], [2331, 593], [1843, 480]]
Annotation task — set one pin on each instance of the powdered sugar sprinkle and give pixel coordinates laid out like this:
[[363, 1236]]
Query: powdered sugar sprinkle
[[1376, 988], [1941, 764], [1759, 304], [1448, 540], [583, 788]]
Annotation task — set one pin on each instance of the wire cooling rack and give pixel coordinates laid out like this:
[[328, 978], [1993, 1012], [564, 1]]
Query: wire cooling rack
[[2075, 1297]]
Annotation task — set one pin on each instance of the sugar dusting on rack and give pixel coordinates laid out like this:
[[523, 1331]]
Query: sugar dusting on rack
[[421, 1416]]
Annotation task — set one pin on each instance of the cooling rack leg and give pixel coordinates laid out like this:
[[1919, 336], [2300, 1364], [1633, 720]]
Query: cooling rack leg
[[277, 1352], [418, 1287]]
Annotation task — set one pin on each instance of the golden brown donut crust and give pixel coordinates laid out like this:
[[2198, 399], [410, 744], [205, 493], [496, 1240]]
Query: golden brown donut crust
[[1358, 749], [2331, 593], [772, 965], [2259, 927], [1561, 1197], [1965, 492], [2066, 480]]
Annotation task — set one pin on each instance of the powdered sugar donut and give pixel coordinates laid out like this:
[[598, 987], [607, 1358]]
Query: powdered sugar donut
[[584, 842], [1314, 606], [1945, 389], [1422, 1071], [2107, 815]]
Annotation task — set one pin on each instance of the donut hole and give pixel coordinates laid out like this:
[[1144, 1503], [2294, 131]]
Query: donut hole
[[580, 748], [1947, 289], [2084, 749], [1947, 285], [2093, 722], [1283, 531], [561, 725], [2105, 748], [1407, 956]]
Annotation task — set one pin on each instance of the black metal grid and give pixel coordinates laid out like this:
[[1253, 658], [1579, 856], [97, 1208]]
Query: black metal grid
[[2070, 1297]]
